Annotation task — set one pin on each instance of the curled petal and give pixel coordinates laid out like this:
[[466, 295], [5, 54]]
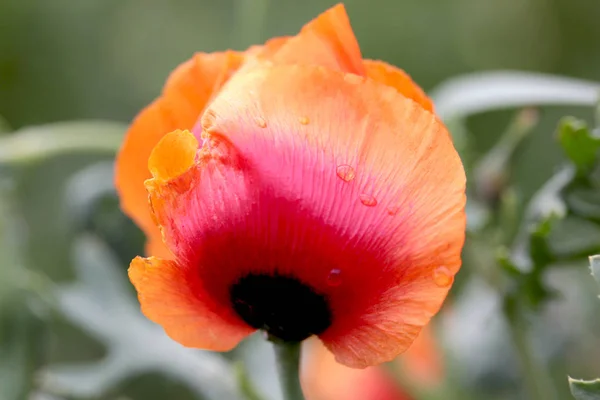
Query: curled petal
[[173, 297], [185, 95], [174, 154]]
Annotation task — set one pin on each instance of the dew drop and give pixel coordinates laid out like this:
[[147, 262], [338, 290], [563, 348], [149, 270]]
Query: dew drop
[[304, 120], [442, 276], [393, 210], [345, 172], [335, 277], [368, 200], [261, 122]]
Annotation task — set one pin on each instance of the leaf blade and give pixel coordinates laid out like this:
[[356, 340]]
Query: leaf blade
[[585, 390]]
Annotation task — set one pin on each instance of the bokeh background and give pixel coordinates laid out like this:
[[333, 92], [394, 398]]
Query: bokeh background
[[65, 245]]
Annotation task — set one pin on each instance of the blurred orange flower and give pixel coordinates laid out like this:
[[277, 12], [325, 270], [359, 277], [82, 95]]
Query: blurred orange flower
[[324, 379], [298, 189]]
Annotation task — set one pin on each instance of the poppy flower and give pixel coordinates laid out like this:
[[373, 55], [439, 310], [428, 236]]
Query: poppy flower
[[324, 379], [298, 189]]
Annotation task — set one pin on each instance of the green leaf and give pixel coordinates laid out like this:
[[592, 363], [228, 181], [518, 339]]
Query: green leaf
[[22, 339], [595, 267], [462, 96], [584, 202], [93, 206], [574, 237], [504, 260], [585, 390], [539, 249], [48, 213], [101, 302], [47, 157], [579, 143], [36, 143]]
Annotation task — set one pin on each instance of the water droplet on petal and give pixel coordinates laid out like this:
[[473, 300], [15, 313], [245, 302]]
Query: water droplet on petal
[[261, 122], [345, 172], [393, 210], [304, 120], [335, 277], [368, 200], [442, 276]]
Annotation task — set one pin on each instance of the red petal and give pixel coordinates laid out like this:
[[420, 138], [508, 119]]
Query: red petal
[[387, 231]]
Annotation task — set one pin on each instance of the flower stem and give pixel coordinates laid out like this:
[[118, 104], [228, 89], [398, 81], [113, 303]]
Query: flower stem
[[537, 380], [288, 363], [245, 384]]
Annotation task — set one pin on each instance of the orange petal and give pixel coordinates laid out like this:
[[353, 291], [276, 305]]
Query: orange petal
[[328, 41], [156, 246], [323, 378], [397, 78], [403, 207], [173, 155], [267, 50], [172, 296], [185, 95]]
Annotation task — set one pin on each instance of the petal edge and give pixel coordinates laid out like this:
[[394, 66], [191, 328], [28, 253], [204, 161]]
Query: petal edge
[[170, 297]]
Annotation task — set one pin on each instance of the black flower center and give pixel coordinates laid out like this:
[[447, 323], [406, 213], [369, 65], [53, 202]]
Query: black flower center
[[282, 306]]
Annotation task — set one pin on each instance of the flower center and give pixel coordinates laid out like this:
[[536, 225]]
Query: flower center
[[282, 306]]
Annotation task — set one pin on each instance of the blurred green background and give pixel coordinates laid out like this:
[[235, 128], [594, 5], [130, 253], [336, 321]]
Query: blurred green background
[[68, 59], [63, 60]]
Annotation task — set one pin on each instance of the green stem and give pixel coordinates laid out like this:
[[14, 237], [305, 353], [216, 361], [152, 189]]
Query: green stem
[[537, 380], [245, 384], [288, 363]]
